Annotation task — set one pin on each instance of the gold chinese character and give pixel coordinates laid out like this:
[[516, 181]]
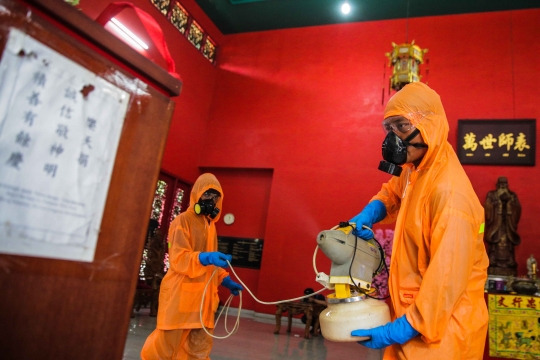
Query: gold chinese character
[[487, 141], [506, 139], [521, 142], [470, 141]]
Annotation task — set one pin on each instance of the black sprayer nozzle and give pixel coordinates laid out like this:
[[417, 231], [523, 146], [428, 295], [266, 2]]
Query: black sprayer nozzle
[[343, 224]]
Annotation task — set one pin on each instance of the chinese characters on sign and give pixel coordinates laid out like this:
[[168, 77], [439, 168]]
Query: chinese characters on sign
[[59, 131], [513, 326], [245, 252], [497, 142]]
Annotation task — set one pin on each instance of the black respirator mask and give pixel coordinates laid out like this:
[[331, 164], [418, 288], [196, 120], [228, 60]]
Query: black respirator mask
[[206, 207], [394, 152]]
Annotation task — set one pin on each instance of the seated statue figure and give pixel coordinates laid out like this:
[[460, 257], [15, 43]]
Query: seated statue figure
[[503, 210]]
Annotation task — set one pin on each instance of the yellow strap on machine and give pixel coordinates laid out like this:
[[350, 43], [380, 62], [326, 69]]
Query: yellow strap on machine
[[343, 291], [346, 229]]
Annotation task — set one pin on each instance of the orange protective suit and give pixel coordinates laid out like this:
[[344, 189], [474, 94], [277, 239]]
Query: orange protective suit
[[179, 334], [439, 262]]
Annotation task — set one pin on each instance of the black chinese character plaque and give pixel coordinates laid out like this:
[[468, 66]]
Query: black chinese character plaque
[[497, 142], [246, 253]]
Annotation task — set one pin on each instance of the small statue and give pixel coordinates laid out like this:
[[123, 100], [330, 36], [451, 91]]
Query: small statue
[[532, 267], [503, 211]]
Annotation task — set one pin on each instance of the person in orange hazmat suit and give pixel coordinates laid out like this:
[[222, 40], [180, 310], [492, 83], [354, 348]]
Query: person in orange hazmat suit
[[439, 262], [192, 258]]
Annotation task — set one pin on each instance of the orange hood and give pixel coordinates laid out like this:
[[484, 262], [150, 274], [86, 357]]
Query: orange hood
[[423, 107], [203, 183]]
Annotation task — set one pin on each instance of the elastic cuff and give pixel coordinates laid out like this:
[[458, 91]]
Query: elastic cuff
[[198, 258]]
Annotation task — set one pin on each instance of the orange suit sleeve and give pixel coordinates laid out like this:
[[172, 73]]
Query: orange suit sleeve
[[222, 274], [390, 196]]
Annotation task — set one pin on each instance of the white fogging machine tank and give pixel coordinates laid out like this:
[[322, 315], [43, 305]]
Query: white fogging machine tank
[[354, 262]]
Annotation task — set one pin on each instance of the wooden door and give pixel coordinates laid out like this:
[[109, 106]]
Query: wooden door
[[57, 308]]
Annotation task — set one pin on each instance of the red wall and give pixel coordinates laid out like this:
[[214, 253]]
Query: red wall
[[307, 103], [188, 127], [246, 194]]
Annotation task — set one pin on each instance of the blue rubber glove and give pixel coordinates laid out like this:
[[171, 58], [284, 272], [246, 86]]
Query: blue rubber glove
[[232, 286], [215, 258], [396, 332], [374, 212]]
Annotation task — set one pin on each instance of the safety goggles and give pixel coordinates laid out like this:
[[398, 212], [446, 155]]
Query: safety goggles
[[404, 123], [398, 125], [210, 196]]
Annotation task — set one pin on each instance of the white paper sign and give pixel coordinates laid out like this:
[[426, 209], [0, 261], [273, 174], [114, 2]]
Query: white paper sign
[[59, 131]]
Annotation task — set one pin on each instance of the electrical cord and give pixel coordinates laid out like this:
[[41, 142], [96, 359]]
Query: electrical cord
[[382, 263], [378, 271], [229, 300], [227, 304]]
